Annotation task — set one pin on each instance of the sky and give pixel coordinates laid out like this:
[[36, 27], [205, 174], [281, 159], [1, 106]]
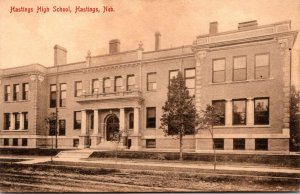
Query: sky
[[28, 38]]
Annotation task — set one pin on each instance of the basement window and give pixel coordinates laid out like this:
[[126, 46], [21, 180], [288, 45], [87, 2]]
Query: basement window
[[150, 143]]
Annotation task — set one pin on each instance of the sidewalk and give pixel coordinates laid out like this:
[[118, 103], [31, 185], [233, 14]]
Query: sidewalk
[[159, 163]]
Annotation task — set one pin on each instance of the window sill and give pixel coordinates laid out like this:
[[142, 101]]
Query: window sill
[[150, 128], [242, 126], [18, 130], [243, 81], [16, 101]]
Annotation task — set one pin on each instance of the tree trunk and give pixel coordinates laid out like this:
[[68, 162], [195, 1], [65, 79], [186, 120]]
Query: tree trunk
[[215, 156], [180, 144]]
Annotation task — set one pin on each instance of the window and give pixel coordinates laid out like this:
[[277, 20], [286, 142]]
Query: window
[[239, 68], [151, 117], [130, 82], [6, 142], [151, 81], [15, 142], [189, 75], [106, 85], [118, 84], [17, 120], [131, 120], [218, 70], [239, 112], [7, 93], [261, 111], [219, 144], [219, 108], [62, 127], [261, 144], [75, 142], [24, 142], [25, 120], [150, 143], [173, 74], [63, 95], [78, 88], [52, 128], [53, 96], [6, 121], [16, 91], [95, 86], [262, 63], [25, 91], [238, 144], [77, 120]]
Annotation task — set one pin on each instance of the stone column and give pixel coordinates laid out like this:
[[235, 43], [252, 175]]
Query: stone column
[[135, 137], [94, 136], [21, 121], [83, 122], [228, 112], [83, 137], [122, 119], [122, 128], [250, 111], [12, 121], [96, 122]]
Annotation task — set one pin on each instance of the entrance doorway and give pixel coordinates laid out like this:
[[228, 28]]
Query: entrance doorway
[[112, 127]]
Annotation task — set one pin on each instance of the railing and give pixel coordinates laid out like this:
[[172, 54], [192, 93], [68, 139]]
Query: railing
[[111, 95]]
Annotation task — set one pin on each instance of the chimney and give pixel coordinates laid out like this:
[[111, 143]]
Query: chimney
[[213, 27], [60, 55], [247, 25], [114, 46], [157, 41]]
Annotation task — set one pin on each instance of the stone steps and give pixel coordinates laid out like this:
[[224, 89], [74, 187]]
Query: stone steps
[[74, 154]]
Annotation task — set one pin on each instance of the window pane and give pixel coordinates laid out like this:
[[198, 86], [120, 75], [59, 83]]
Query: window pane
[[261, 144], [107, 83], [219, 76], [190, 83], [150, 143], [219, 65], [240, 74], [190, 73], [95, 86], [191, 92], [173, 74], [119, 81], [261, 115], [239, 62], [53, 88], [151, 117], [262, 72], [219, 108], [219, 144], [131, 80], [63, 86], [152, 77], [262, 60], [238, 144], [239, 112], [78, 85]]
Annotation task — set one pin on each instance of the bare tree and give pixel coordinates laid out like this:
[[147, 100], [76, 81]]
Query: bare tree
[[208, 118]]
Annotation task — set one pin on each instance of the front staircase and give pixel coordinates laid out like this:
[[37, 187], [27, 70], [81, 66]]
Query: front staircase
[[78, 154], [108, 145]]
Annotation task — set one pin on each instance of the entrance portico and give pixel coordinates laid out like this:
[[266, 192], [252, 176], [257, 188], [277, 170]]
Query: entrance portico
[[104, 107]]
